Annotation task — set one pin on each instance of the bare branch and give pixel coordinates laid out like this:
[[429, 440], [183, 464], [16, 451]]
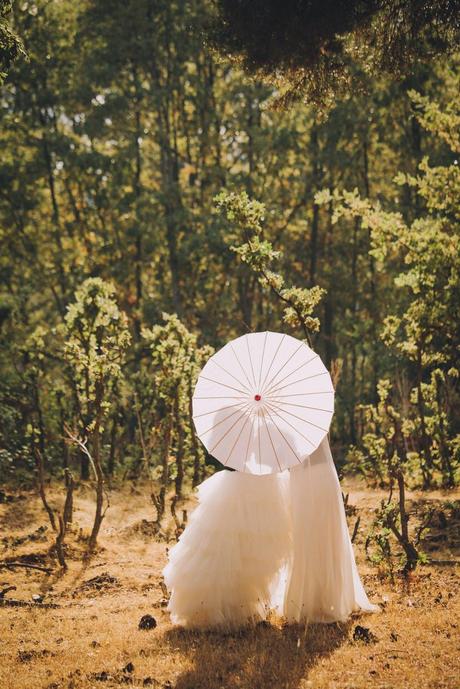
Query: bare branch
[[7, 565], [82, 444]]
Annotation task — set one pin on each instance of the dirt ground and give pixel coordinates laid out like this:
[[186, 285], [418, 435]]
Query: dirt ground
[[92, 639]]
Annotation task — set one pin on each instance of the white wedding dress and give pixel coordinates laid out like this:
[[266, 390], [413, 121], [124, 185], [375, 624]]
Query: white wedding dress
[[221, 570], [259, 542]]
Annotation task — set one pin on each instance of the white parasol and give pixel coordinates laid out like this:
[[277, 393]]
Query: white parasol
[[263, 402]]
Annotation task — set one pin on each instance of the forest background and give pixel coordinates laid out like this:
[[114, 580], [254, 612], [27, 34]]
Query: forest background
[[174, 174], [155, 202]]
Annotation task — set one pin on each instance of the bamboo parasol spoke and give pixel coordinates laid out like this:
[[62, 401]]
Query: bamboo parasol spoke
[[218, 382], [262, 360], [240, 382], [284, 437], [305, 363], [211, 428], [290, 357], [310, 423], [271, 363], [240, 365], [300, 380]]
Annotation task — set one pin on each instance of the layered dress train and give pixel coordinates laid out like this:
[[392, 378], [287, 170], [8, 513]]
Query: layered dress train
[[221, 570]]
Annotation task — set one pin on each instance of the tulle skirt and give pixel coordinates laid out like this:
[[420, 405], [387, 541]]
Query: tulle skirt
[[323, 581], [222, 569]]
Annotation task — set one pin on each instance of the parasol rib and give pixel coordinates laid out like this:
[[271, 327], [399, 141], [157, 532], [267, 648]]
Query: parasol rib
[[316, 375], [310, 423], [247, 450], [305, 363], [271, 442], [226, 433], [276, 412], [258, 438], [238, 437], [216, 363], [274, 356], [303, 394], [290, 357], [222, 384], [214, 411], [305, 406], [262, 359], [223, 420], [284, 437], [246, 337], [239, 364]]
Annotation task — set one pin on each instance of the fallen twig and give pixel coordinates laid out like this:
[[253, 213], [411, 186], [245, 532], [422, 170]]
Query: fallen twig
[[26, 565], [391, 651], [3, 592], [14, 603]]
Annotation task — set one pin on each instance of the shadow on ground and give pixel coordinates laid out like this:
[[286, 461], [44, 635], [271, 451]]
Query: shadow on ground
[[19, 514], [264, 657]]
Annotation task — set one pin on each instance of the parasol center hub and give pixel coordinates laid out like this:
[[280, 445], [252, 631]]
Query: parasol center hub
[[257, 398]]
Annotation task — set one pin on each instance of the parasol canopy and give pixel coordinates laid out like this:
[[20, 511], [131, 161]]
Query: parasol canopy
[[263, 402]]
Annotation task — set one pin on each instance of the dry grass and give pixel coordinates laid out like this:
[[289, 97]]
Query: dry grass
[[94, 635]]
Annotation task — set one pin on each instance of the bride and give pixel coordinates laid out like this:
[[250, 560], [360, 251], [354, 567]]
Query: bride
[[253, 540]]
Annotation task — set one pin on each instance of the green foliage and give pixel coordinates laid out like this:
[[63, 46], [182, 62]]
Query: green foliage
[[95, 336], [427, 249], [176, 358], [248, 215], [392, 435], [408, 432], [424, 332], [441, 121], [10, 44]]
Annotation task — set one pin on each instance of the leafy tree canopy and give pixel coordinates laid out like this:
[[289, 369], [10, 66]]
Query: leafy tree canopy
[[307, 47], [10, 44]]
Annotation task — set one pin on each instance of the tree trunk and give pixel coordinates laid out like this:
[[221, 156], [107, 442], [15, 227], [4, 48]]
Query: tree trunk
[[41, 486], [412, 555], [64, 445], [314, 233], [448, 476], [374, 310], [159, 499], [96, 455], [427, 466], [68, 505], [196, 453], [354, 293], [56, 222], [84, 467], [328, 302], [180, 448], [138, 257], [59, 544], [113, 438]]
